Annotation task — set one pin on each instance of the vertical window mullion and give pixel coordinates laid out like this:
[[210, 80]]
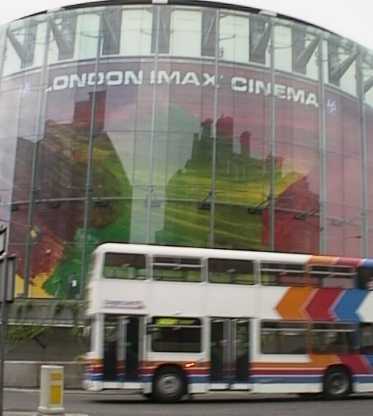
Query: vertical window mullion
[[208, 38], [164, 31]]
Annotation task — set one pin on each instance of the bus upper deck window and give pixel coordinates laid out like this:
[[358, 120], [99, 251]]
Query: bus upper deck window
[[177, 269], [335, 276], [283, 274], [124, 266], [365, 278], [239, 272]]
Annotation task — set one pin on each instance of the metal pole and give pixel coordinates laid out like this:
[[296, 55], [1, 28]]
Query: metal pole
[[4, 322], [150, 190], [322, 151], [3, 34], [212, 195], [272, 185], [88, 183], [364, 154]]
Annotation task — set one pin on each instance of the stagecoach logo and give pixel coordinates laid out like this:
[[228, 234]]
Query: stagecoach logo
[[123, 304], [239, 84]]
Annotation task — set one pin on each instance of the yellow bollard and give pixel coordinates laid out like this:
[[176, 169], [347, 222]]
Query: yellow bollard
[[51, 390]]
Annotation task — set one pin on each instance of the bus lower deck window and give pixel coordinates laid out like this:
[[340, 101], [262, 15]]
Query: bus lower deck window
[[171, 334], [283, 338], [333, 338]]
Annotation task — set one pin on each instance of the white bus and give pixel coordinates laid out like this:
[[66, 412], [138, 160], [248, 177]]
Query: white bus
[[171, 321]]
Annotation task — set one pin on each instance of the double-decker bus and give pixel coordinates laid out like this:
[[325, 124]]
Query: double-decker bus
[[171, 321]]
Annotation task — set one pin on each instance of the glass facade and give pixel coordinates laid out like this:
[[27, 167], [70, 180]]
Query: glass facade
[[180, 125]]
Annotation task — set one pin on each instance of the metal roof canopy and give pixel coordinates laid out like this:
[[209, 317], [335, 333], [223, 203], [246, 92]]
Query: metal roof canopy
[[196, 3]]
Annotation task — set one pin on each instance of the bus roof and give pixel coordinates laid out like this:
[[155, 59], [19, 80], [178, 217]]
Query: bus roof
[[234, 254]]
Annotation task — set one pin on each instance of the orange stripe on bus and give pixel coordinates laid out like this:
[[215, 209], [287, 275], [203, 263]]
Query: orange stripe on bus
[[293, 303]]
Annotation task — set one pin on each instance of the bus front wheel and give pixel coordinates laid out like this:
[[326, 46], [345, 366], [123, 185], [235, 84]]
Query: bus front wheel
[[337, 383], [169, 385]]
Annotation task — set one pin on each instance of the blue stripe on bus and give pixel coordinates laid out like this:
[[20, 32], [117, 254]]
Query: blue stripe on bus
[[196, 378], [369, 358], [368, 378], [278, 379], [348, 305], [96, 377], [367, 263]]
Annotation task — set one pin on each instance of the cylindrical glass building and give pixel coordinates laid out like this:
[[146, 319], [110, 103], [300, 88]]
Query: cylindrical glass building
[[187, 123]]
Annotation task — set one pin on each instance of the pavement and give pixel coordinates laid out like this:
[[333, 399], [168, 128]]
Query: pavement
[[15, 413], [25, 402], [20, 394]]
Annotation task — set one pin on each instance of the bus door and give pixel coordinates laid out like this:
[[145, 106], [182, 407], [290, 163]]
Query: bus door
[[122, 348], [229, 352]]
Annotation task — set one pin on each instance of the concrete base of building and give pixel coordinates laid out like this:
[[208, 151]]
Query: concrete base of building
[[26, 374]]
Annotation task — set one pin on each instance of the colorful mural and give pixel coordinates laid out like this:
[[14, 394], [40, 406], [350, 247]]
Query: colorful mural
[[102, 142]]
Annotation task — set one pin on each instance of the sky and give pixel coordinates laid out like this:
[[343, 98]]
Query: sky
[[350, 18]]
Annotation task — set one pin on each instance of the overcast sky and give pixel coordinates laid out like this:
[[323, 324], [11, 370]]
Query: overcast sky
[[351, 18]]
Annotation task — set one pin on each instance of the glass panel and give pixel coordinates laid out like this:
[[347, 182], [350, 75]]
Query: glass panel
[[64, 36], [161, 30], [185, 33], [242, 171], [20, 131], [231, 271], [88, 27], [136, 36], [208, 40], [296, 182], [283, 48], [111, 30], [368, 78], [343, 175], [304, 52], [181, 159], [9, 101], [25, 43], [56, 244], [62, 155], [260, 33], [342, 64], [234, 38]]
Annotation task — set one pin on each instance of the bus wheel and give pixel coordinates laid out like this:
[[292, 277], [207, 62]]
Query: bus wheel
[[169, 385], [337, 384]]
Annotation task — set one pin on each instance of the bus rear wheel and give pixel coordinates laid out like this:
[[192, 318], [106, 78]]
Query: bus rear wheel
[[169, 385], [337, 384]]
